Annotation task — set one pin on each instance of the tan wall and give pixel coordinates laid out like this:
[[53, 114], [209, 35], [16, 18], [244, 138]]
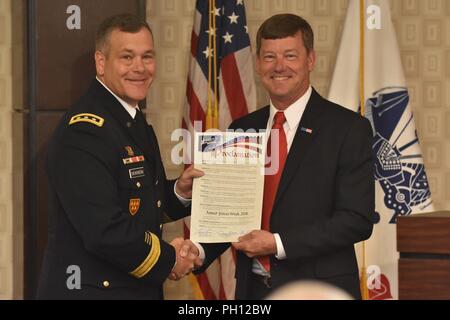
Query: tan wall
[[423, 31], [6, 208], [11, 162]]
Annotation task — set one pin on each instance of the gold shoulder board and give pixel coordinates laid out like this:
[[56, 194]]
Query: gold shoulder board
[[87, 117]]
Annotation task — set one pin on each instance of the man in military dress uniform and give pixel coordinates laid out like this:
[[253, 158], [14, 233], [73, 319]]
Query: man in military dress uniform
[[109, 193]]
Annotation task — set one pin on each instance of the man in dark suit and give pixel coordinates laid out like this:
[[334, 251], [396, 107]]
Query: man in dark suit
[[319, 189], [109, 192]]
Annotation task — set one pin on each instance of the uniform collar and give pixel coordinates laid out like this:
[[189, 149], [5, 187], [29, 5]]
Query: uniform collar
[[130, 109]]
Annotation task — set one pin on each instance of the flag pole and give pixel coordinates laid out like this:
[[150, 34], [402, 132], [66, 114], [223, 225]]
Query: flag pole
[[364, 289], [361, 54], [196, 290], [215, 122], [209, 111]]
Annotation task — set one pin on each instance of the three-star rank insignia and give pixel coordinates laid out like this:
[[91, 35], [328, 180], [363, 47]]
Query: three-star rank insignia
[[134, 206], [87, 117]]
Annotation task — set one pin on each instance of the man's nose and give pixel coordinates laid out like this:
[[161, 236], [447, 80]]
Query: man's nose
[[138, 64], [279, 64]]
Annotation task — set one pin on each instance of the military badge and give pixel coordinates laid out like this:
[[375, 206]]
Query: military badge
[[133, 160], [134, 206], [129, 151], [87, 117]]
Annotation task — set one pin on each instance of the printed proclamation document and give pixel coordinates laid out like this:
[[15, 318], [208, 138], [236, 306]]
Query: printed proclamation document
[[227, 200]]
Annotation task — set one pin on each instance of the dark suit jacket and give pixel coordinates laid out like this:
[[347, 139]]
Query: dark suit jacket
[[325, 200], [105, 211]]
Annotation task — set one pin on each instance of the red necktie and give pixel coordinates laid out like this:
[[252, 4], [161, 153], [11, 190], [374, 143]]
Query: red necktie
[[271, 181]]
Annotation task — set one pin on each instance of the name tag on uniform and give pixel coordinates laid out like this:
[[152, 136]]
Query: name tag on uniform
[[136, 173]]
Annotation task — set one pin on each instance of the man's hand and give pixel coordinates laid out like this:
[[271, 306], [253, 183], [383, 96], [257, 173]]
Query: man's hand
[[257, 243], [187, 258], [184, 183]]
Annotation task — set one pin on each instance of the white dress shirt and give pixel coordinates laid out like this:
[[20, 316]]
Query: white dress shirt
[[293, 114]]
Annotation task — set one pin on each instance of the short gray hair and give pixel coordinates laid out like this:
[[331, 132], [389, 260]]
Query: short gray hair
[[122, 22]]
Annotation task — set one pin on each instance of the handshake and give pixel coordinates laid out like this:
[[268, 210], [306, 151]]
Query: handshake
[[187, 258]]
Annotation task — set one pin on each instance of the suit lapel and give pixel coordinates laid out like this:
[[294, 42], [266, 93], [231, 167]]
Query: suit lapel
[[301, 144], [260, 120]]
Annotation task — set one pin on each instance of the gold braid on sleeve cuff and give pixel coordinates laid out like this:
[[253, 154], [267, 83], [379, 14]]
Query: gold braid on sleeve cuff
[[152, 257]]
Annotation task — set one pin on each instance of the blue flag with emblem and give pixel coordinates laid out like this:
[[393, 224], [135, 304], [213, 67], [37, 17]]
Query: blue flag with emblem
[[369, 68]]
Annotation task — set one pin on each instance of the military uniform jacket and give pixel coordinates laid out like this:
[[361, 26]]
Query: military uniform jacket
[[108, 198]]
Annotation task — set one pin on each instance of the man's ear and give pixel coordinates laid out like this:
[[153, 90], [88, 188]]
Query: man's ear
[[100, 62]]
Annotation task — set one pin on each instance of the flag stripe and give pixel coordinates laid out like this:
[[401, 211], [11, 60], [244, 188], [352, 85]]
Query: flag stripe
[[208, 292], [224, 109], [196, 110], [233, 87], [194, 44]]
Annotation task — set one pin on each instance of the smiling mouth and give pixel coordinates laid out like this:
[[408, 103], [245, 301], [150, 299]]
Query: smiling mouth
[[137, 81], [280, 78]]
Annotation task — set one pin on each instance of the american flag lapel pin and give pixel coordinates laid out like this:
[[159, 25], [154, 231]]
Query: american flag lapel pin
[[307, 130]]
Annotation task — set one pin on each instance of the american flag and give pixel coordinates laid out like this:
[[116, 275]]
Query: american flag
[[220, 88]]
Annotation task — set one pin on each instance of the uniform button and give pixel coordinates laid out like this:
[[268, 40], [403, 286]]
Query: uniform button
[[158, 203], [129, 124], [156, 182], [138, 184], [160, 226], [106, 284]]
